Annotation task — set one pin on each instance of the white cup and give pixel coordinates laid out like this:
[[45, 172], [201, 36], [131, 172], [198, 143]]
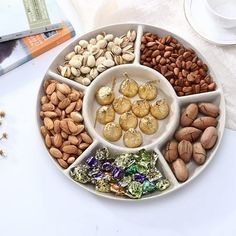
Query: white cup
[[223, 12]]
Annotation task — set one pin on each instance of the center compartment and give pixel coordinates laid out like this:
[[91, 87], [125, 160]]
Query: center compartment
[[141, 75]]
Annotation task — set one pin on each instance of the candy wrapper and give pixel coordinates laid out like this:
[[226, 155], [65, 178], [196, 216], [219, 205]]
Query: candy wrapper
[[127, 174]]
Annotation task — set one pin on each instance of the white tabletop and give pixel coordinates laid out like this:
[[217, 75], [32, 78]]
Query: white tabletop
[[37, 199]]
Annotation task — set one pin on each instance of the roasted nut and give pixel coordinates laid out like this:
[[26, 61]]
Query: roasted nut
[[209, 109], [204, 122], [180, 170], [189, 115], [187, 133], [185, 150], [171, 151], [209, 137], [199, 153]]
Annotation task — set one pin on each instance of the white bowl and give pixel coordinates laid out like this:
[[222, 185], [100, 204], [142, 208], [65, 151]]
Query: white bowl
[[166, 131], [223, 12]]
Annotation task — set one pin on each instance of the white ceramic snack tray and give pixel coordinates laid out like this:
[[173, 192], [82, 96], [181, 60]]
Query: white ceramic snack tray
[[167, 127]]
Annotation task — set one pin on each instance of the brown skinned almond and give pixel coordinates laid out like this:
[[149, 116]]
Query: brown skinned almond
[[70, 108], [50, 88], [86, 138], [188, 133], [57, 140], [48, 107], [48, 141], [70, 149], [64, 103], [48, 123], [50, 114], [63, 88], [62, 163], [55, 152]]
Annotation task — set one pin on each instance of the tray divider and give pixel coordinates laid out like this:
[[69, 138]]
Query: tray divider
[[137, 44]]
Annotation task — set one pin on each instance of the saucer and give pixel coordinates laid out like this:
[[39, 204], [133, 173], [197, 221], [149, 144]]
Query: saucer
[[197, 16]]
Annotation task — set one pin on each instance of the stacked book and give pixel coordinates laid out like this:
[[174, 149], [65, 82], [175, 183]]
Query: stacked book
[[40, 27]]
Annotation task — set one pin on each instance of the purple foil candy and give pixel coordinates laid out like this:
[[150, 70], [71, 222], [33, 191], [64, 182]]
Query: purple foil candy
[[98, 175], [117, 173], [92, 161], [139, 177], [106, 166]]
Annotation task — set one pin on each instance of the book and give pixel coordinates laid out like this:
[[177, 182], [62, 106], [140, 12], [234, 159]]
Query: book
[[27, 17], [16, 52]]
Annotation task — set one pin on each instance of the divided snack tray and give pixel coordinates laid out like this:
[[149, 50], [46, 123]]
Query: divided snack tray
[[141, 74]]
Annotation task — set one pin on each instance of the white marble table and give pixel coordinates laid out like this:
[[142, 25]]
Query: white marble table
[[36, 199]]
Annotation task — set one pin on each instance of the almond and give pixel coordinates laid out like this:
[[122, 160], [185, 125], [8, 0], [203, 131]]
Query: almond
[[65, 156], [74, 96], [48, 141], [64, 103], [50, 114], [65, 143], [72, 127], [80, 129], [64, 126], [70, 160], [50, 88], [48, 107], [58, 111], [44, 99], [79, 105], [83, 146], [86, 138], [54, 99], [48, 123], [64, 88], [70, 149], [76, 116], [44, 131], [63, 115], [71, 107], [73, 140], [56, 127], [60, 96], [62, 163], [55, 152], [64, 135], [57, 140]]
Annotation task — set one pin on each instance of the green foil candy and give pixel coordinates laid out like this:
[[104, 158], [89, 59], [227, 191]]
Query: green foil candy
[[80, 174], [163, 184], [135, 189], [154, 175], [103, 154], [125, 181], [124, 160], [102, 186], [131, 170], [148, 187]]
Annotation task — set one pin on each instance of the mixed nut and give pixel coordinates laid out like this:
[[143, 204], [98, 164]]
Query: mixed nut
[[197, 135], [128, 174], [90, 58], [186, 72], [132, 113], [63, 128]]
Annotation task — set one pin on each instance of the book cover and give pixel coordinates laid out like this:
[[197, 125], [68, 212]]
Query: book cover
[[33, 17], [16, 52]]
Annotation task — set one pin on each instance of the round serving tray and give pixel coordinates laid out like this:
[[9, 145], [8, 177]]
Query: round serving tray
[[135, 68]]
